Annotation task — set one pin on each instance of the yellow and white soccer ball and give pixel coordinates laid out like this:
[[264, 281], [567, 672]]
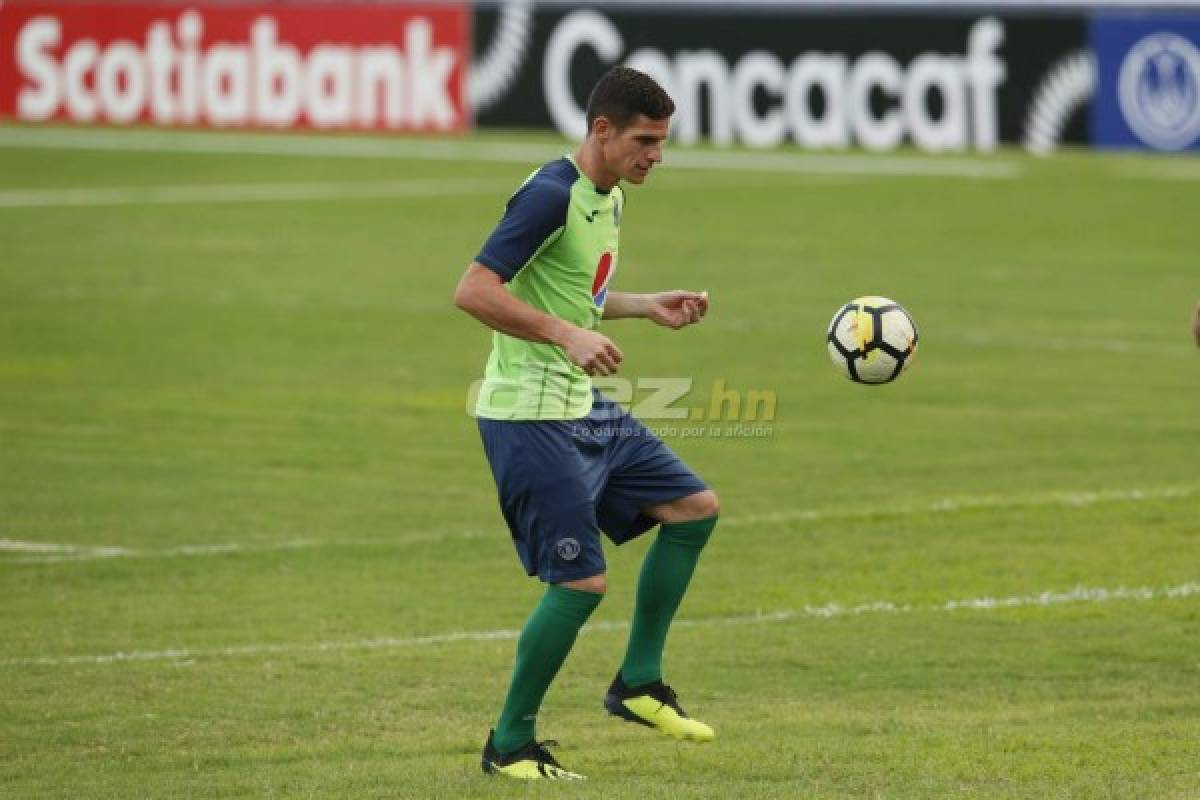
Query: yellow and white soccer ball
[[872, 340]]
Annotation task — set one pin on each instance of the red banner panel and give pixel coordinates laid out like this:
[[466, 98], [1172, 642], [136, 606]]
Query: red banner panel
[[367, 67]]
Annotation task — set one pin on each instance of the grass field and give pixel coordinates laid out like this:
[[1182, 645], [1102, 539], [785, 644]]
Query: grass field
[[249, 545]]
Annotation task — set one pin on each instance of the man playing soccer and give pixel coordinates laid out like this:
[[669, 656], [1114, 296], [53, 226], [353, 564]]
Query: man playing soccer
[[568, 462]]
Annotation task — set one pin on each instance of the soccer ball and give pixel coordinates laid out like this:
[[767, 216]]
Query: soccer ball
[[872, 340]]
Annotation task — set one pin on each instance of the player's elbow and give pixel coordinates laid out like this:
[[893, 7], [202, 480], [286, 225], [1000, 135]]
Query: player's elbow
[[466, 296], [470, 294], [462, 297]]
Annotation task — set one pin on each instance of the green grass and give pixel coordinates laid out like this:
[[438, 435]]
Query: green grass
[[290, 377]]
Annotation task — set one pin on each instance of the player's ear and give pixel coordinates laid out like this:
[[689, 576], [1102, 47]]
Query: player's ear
[[602, 128]]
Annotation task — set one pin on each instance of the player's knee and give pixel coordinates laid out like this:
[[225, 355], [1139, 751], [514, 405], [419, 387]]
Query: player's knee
[[703, 505], [696, 506], [597, 584]]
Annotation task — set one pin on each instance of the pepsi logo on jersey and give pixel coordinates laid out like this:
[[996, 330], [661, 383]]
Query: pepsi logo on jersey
[[604, 271]]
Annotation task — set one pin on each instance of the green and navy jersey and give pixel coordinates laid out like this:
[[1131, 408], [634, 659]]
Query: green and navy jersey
[[556, 249]]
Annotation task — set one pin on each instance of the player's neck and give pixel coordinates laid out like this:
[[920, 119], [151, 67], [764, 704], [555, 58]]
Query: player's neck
[[590, 160]]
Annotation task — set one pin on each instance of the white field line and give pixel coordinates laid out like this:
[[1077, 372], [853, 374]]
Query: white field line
[[245, 192], [62, 550], [47, 553], [482, 151], [1077, 595], [58, 553], [1180, 346], [950, 505], [1074, 344]]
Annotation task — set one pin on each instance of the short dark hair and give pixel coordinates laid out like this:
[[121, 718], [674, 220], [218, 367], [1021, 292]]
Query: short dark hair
[[622, 93]]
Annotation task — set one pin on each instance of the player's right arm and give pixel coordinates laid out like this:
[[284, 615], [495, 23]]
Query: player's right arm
[[534, 216], [481, 294]]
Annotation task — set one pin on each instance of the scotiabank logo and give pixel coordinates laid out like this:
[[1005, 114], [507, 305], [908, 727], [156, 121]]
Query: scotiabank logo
[[389, 67]]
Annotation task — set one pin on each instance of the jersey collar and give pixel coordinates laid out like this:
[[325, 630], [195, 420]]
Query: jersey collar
[[583, 176]]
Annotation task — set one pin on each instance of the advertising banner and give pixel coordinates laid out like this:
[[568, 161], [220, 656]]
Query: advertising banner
[[937, 81], [375, 67], [1148, 81]]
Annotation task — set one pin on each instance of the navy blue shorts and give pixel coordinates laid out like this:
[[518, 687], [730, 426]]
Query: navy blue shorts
[[562, 482]]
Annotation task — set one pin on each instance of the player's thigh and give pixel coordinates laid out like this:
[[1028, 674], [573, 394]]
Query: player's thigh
[[560, 534], [547, 495], [644, 473]]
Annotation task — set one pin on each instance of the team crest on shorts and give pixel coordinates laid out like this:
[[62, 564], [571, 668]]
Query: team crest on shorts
[[567, 549]]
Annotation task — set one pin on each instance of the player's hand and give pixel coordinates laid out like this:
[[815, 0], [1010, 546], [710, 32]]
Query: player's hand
[[593, 352], [677, 308]]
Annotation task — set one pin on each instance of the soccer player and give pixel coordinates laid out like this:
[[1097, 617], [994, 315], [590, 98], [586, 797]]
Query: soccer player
[[568, 462], [1196, 325]]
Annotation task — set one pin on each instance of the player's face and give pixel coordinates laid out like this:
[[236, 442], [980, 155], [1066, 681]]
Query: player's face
[[630, 153]]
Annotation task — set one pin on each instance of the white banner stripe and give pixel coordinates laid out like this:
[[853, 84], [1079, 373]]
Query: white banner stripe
[[1176, 168], [951, 7], [1079, 594], [305, 145], [245, 193]]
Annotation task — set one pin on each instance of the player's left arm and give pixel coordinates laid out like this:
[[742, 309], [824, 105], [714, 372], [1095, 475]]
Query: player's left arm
[[673, 309]]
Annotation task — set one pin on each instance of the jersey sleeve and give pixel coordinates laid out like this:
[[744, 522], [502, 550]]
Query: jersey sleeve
[[534, 214]]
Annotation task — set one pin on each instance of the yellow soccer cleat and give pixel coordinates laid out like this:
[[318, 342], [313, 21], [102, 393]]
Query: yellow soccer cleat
[[532, 762], [655, 705]]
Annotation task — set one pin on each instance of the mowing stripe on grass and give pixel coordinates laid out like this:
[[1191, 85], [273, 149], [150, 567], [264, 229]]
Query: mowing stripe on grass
[[247, 192], [332, 146], [56, 553], [1079, 594]]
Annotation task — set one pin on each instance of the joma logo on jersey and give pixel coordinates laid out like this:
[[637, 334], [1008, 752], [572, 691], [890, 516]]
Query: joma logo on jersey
[[616, 214], [604, 271]]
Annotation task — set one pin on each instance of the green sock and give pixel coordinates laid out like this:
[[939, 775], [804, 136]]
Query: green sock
[[666, 571], [541, 649]]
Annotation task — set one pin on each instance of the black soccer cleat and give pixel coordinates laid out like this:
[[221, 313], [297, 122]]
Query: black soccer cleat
[[655, 705], [531, 763]]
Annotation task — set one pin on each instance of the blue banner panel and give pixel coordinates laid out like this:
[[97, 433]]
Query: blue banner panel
[[1148, 88]]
